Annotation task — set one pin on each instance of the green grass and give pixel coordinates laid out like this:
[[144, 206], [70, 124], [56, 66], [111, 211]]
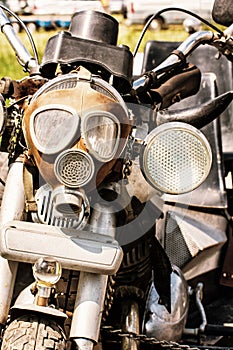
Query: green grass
[[129, 36], [9, 65]]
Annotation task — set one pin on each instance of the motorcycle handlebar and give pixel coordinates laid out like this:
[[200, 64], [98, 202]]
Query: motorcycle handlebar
[[185, 49], [175, 59], [24, 57]]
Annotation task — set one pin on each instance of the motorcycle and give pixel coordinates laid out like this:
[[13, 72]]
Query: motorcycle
[[115, 219]]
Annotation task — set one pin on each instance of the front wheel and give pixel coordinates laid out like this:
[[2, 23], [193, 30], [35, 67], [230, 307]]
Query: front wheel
[[30, 332]]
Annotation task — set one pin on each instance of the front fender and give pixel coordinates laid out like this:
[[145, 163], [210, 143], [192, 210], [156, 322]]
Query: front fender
[[25, 309]]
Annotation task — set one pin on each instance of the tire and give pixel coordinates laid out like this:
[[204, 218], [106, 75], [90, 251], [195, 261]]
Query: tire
[[32, 333]]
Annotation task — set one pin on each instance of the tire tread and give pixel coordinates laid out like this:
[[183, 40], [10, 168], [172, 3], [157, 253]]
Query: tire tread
[[33, 333]]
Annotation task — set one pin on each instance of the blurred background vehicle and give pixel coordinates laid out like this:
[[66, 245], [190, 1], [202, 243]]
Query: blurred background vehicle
[[140, 11], [47, 7], [49, 14], [118, 7], [20, 6]]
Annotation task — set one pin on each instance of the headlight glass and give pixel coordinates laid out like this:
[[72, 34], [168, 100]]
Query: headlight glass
[[101, 133], [53, 128], [177, 158]]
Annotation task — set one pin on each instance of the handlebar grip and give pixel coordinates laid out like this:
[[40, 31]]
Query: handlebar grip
[[141, 83], [185, 83]]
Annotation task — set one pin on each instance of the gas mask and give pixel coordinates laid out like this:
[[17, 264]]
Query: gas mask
[[76, 127]]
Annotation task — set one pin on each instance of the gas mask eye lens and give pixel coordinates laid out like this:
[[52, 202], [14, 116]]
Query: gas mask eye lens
[[53, 128], [101, 133]]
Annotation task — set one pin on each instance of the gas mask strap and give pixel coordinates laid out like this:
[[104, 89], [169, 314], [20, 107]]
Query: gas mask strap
[[83, 73], [30, 203]]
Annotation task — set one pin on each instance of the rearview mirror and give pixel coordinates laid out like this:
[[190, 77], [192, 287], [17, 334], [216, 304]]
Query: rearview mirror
[[222, 12]]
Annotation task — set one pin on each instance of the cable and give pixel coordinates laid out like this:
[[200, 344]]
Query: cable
[[159, 13], [26, 30]]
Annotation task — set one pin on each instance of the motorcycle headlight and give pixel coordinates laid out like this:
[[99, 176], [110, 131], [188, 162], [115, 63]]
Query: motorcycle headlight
[[176, 158], [53, 127], [101, 133]]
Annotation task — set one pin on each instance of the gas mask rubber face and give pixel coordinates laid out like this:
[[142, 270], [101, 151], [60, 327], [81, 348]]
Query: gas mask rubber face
[[75, 130]]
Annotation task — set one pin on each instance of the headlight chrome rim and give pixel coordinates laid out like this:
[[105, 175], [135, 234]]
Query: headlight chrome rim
[[64, 142], [170, 157], [69, 177]]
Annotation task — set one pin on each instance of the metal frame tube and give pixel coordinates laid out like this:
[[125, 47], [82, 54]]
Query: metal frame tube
[[12, 208], [131, 325], [88, 309], [92, 287]]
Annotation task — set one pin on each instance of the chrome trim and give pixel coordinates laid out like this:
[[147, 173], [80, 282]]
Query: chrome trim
[[88, 310], [158, 322]]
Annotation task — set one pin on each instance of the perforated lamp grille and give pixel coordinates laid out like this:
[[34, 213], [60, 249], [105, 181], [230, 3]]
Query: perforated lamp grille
[[177, 158], [74, 168]]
